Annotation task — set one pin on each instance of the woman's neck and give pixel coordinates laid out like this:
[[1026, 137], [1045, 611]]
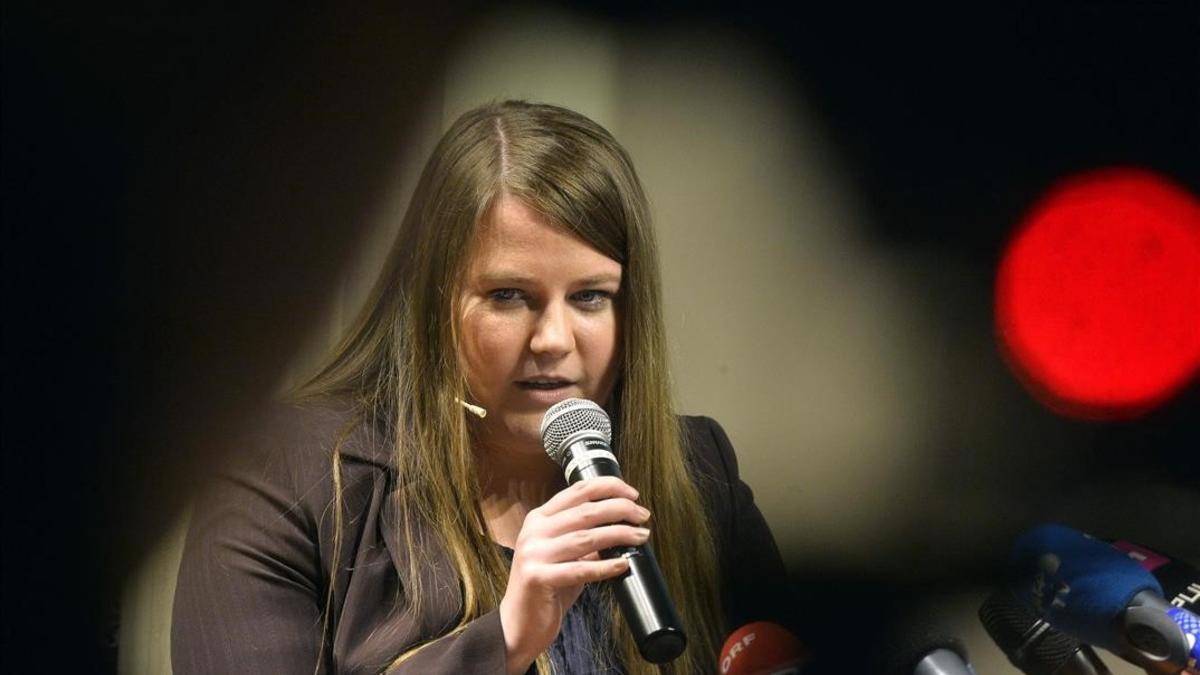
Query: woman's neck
[[511, 484]]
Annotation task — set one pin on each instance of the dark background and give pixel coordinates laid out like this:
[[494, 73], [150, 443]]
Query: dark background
[[181, 186]]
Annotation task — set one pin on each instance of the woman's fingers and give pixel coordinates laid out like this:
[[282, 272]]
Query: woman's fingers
[[589, 490], [593, 514], [557, 552], [583, 544], [575, 545], [571, 575]]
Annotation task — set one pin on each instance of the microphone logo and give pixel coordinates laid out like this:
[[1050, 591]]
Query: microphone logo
[[1189, 596], [735, 650], [1043, 585]]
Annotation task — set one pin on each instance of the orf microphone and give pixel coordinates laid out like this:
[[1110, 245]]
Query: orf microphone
[[762, 648], [578, 435]]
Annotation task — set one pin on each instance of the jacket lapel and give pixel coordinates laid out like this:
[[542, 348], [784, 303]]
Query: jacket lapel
[[439, 581]]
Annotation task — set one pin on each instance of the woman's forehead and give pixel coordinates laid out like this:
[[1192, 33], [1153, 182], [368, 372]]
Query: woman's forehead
[[513, 235]]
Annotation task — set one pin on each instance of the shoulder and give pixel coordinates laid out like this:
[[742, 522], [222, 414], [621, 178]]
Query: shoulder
[[703, 432], [303, 436], [708, 448], [267, 502], [283, 458], [255, 572]]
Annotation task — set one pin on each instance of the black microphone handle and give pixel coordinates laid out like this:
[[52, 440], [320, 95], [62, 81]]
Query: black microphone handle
[[1083, 661], [641, 591]]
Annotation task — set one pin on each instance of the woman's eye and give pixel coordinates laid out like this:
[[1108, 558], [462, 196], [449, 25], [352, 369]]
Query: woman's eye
[[592, 298], [506, 296]]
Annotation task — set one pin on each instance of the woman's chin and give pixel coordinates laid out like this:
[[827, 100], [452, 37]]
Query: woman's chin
[[518, 432]]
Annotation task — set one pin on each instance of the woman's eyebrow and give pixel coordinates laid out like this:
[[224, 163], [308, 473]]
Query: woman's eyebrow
[[505, 277], [598, 279]]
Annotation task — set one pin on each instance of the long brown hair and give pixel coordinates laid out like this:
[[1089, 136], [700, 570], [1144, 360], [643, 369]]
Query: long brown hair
[[400, 363]]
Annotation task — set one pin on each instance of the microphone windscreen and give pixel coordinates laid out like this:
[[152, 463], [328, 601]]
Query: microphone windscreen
[[1079, 584], [1179, 579], [762, 648]]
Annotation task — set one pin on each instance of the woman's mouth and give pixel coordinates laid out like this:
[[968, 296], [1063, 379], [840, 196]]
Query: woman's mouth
[[546, 391], [543, 384]]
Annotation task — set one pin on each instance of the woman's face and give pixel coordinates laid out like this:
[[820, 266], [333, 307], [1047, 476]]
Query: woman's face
[[539, 323]]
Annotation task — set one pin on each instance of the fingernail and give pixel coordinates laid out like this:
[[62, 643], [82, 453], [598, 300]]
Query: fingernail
[[645, 512], [643, 532]]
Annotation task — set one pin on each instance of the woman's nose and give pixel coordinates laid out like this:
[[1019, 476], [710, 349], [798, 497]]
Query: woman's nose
[[553, 334]]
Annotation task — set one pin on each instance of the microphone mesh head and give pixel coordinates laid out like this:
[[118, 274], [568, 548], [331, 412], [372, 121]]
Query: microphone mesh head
[[1009, 622], [566, 418]]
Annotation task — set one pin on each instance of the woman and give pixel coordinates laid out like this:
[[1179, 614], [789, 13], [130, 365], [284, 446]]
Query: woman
[[403, 516]]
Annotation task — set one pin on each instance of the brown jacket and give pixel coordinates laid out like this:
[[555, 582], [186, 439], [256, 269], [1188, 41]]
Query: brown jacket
[[255, 569]]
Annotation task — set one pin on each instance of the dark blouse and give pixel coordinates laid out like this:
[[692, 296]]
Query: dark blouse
[[255, 574]]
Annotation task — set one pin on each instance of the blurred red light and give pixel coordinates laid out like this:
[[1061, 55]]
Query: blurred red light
[[1098, 294]]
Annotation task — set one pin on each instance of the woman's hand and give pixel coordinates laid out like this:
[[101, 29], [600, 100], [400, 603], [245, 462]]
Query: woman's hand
[[557, 552]]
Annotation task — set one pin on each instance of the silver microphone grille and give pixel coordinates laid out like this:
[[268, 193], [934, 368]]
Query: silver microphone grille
[[568, 417]]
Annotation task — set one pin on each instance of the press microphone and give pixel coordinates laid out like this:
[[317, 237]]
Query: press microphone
[[1091, 591], [1033, 645], [762, 648], [921, 646], [577, 435], [1180, 580]]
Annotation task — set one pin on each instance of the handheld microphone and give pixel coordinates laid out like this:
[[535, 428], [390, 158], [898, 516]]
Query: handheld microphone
[[577, 435], [1095, 593], [1031, 644], [762, 648]]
